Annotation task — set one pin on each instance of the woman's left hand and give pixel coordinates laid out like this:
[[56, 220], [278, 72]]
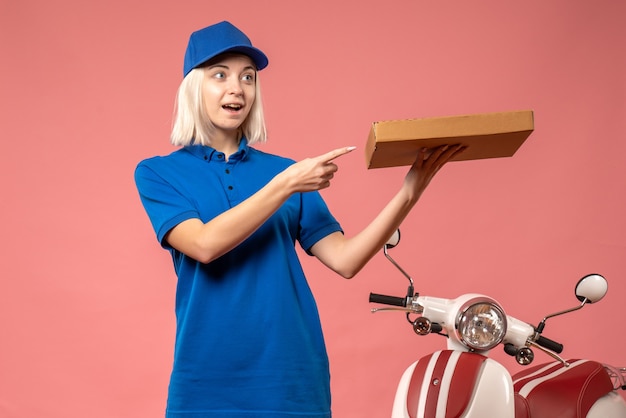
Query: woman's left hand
[[426, 165]]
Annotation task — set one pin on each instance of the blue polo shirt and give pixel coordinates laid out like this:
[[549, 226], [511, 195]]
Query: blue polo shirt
[[248, 338]]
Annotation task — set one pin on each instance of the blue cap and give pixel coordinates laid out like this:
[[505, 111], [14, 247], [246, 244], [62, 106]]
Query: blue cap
[[216, 39]]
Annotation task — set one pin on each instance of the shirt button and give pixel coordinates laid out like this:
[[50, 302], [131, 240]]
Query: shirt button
[[230, 187], [220, 156], [227, 171]]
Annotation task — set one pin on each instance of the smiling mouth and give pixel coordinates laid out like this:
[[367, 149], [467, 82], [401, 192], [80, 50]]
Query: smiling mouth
[[232, 107]]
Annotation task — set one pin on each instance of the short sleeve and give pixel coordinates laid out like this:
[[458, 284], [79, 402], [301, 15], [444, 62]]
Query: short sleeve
[[316, 221], [165, 206]]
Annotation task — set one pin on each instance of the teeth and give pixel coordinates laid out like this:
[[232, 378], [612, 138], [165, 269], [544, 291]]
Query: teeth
[[233, 106]]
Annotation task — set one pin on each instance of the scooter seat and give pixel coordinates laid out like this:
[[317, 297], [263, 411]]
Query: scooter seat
[[553, 390]]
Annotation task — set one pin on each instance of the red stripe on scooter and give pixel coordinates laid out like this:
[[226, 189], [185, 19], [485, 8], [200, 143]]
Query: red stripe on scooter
[[463, 382], [415, 386], [434, 387], [419, 376], [532, 373]]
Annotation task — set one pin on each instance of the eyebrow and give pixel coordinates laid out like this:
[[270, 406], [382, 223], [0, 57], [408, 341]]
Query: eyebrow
[[249, 67]]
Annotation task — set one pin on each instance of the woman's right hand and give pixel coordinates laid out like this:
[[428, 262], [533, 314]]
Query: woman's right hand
[[313, 173]]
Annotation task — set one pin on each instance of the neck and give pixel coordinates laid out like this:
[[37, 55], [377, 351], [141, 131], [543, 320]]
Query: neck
[[226, 143]]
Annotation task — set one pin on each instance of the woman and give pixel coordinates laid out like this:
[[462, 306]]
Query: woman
[[248, 337]]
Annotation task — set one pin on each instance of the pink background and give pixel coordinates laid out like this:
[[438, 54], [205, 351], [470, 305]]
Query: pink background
[[86, 294]]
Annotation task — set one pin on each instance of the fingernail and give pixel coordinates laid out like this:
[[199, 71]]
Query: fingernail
[[351, 148]]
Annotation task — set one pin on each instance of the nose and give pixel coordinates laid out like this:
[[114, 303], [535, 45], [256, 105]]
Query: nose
[[234, 87]]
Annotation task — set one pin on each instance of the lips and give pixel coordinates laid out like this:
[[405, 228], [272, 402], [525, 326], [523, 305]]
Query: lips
[[232, 106]]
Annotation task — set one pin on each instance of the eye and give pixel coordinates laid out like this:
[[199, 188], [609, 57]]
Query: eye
[[248, 77], [219, 74]]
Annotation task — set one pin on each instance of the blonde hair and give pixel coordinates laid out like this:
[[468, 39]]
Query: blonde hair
[[192, 126]]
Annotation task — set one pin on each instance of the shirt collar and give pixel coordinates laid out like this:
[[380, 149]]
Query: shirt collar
[[208, 153]]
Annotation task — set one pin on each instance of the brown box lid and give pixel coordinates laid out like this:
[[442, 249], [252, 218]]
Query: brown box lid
[[486, 135]]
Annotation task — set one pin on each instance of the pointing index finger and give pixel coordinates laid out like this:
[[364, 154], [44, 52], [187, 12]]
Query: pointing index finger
[[329, 156]]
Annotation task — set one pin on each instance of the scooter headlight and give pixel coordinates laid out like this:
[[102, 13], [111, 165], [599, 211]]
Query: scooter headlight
[[481, 324]]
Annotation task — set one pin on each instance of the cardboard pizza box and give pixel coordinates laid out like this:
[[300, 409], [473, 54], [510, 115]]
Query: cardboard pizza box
[[486, 135]]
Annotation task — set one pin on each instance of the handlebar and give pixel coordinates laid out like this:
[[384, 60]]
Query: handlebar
[[542, 342], [550, 344], [387, 300], [402, 302]]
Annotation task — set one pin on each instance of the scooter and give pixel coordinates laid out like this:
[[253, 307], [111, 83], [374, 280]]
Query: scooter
[[462, 381]]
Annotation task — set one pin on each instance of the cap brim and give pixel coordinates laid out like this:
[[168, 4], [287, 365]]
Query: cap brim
[[258, 57]]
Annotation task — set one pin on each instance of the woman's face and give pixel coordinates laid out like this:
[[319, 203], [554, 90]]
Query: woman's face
[[229, 91]]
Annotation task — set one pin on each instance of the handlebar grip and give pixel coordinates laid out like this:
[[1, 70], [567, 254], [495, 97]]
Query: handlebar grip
[[549, 344], [435, 328], [387, 300], [510, 349]]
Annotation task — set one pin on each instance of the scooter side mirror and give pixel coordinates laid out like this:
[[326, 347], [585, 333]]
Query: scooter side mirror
[[393, 240], [592, 287]]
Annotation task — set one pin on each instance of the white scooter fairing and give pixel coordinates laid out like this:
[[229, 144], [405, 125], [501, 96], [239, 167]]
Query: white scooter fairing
[[452, 383]]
